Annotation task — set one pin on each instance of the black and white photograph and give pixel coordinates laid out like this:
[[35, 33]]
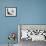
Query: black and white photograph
[[10, 11]]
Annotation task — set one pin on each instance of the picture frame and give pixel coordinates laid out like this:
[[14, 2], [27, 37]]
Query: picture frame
[[10, 11], [37, 29]]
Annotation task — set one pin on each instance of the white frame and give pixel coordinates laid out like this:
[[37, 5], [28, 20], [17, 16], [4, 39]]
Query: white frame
[[18, 33], [12, 13], [20, 27]]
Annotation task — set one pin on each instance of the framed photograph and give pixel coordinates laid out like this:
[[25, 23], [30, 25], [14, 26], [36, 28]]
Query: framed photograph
[[10, 11], [33, 32]]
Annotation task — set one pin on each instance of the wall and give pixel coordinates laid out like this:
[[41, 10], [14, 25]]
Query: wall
[[28, 12]]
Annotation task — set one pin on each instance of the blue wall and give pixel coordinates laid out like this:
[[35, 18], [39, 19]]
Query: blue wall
[[28, 12]]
